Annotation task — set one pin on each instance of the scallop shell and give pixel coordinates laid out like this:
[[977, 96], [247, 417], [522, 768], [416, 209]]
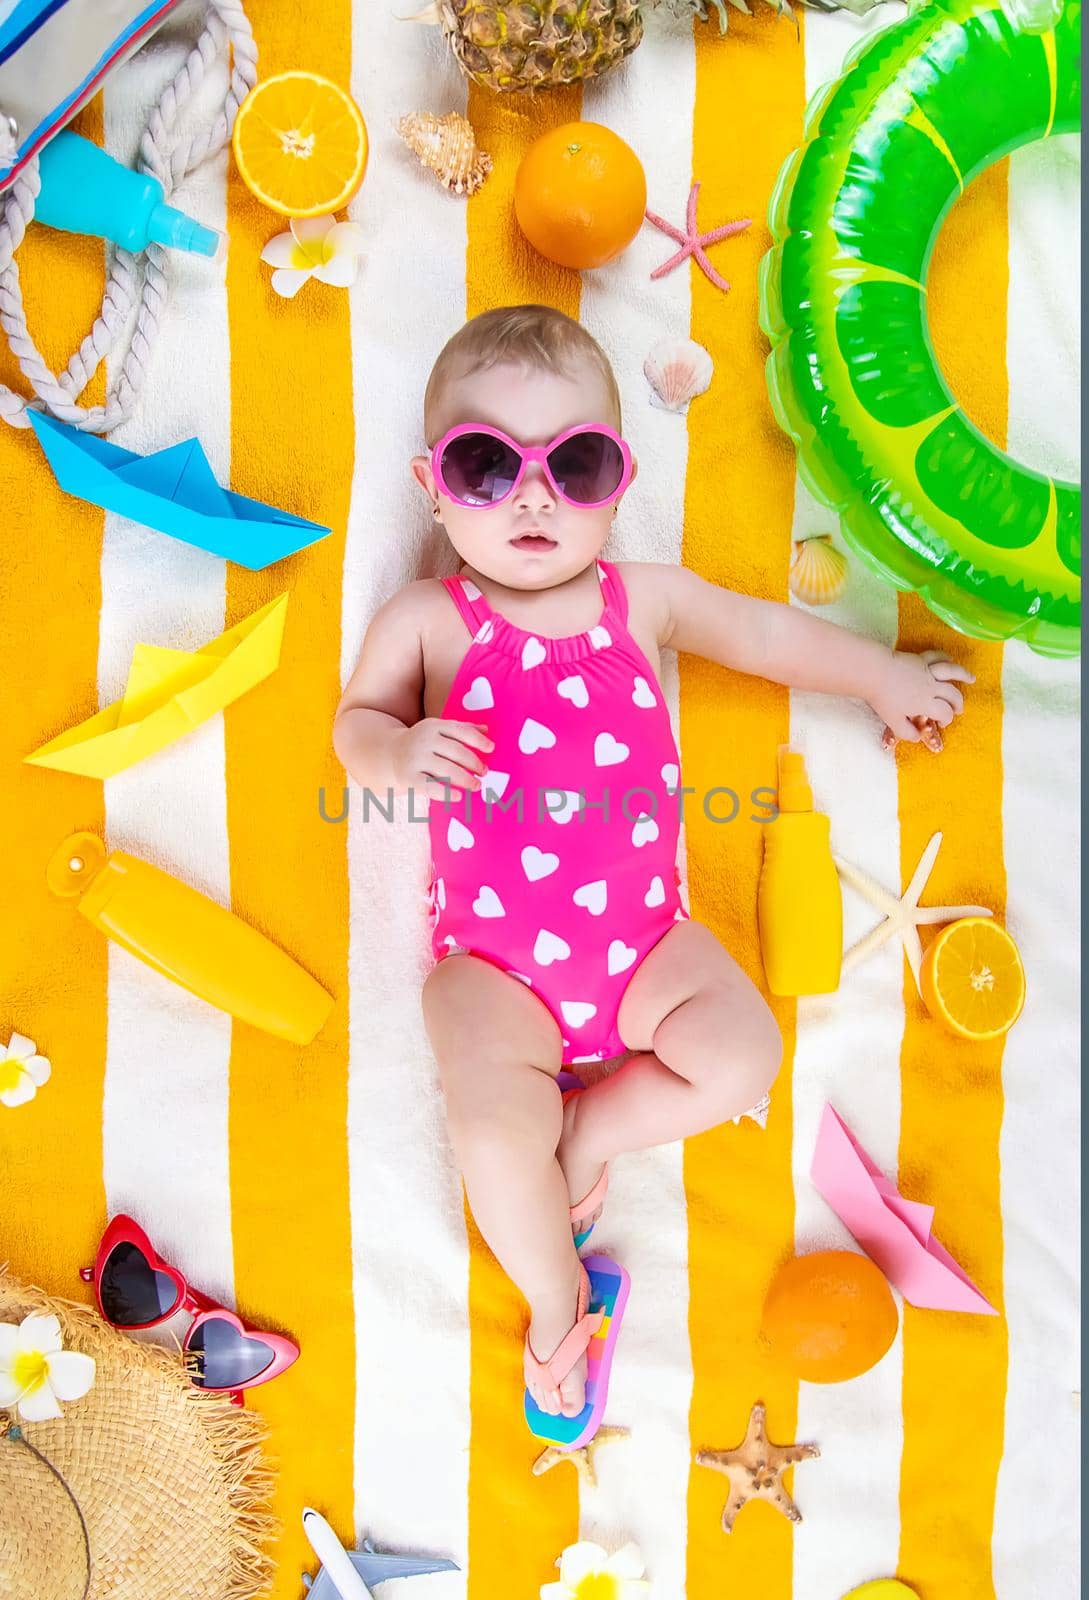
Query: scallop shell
[[447, 147], [818, 573], [677, 371]]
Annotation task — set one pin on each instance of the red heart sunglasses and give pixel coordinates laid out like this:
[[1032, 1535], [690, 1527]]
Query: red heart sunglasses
[[135, 1288], [477, 465]]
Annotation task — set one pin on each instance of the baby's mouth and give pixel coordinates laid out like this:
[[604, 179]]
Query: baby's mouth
[[534, 541]]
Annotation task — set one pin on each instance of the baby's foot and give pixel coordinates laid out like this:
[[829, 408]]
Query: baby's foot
[[579, 1168], [549, 1325]]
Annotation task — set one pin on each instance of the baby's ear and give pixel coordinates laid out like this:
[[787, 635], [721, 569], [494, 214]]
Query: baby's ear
[[634, 471], [421, 471]]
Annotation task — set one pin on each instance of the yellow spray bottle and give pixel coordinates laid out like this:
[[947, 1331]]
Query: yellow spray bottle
[[799, 905], [189, 938]]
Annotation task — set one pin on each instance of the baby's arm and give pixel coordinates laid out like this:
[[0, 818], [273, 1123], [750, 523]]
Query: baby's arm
[[378, 732], [789, 646]]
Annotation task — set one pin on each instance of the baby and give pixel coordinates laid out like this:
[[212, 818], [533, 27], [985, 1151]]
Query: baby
[[522, 697]]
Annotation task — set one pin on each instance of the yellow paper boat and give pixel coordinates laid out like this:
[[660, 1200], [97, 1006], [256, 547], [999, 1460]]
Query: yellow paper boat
[[168, 694]]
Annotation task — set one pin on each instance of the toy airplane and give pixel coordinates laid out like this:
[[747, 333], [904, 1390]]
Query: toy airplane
[[175, 491], [168, 693], [348, 1574]]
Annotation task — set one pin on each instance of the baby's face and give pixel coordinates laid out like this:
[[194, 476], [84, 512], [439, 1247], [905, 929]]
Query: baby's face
[[558, 540]]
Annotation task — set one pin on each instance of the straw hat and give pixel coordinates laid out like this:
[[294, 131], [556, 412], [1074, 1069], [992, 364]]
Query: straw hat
[[168, 1483]]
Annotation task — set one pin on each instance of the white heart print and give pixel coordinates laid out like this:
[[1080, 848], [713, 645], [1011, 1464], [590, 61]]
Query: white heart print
[[488, 903], [592, 896], [577, 1013], [440, 894], [644, 831], [479, 697], [620, 957], [572, 802], [492, 785], [538, 864], [549, 947], [600, 637], [643, 695], [609, 752], [533, 653], [575, 690], [484, 632], [655, 895], [458, 836], [671, 775], [535, 736]]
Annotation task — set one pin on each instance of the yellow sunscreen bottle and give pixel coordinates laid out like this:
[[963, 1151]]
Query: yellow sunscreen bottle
[[799, 906], [189, 938]]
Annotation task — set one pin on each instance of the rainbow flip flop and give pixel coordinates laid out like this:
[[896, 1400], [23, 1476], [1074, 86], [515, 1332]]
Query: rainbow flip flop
[[609, 1288]]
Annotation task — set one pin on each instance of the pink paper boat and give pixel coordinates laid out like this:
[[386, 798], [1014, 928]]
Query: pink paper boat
[[893, 1231]]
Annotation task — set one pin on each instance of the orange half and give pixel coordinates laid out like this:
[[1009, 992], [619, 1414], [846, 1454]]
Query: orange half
[[301, 144], [972, 979]]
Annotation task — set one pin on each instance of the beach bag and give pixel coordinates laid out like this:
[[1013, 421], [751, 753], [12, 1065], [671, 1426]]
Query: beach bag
[[54, 55]]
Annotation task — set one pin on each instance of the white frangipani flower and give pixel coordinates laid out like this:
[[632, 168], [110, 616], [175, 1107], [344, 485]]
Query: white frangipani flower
[[316, 247], [587, 1572], [36, 1372], [22, 1072]]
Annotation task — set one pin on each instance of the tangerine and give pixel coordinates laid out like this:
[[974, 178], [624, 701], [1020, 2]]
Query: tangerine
[[830, 1315], [972, 979], [300, 144], [580, 194]]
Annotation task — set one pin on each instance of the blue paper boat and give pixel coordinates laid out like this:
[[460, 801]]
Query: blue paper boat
[[374, 1567], [175, 491]]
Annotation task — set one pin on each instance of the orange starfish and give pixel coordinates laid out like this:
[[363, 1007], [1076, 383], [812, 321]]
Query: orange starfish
[[755, 1469]]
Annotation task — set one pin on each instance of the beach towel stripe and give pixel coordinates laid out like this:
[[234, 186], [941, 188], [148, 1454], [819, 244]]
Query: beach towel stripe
[[409, 1245], [54, 964], [737, 532], [171, 808], [1040, 1213], [643, 1481], [952, 1090], [848, 1045], [503, 269], [293, 445]]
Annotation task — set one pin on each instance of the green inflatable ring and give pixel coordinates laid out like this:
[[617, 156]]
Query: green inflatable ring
[[923, 496]]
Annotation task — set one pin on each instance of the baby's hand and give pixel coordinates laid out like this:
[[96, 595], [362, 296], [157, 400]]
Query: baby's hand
[[439, 757], [917, 696]]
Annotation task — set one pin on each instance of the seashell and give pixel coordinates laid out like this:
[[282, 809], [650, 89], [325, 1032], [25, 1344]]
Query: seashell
[[818, 573], [677, 371], [447, 147]]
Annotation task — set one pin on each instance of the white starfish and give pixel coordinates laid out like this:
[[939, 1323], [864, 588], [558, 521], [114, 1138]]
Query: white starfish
[[903, 916]]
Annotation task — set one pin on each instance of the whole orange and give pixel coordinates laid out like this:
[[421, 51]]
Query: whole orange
[[830, 1315], [580, 194]]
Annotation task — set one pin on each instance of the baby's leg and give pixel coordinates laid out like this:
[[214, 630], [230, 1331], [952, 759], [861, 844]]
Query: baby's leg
[[710, 1048], [498, 1050]]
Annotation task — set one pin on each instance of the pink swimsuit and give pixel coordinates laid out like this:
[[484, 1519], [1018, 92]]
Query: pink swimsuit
[[571, 894]]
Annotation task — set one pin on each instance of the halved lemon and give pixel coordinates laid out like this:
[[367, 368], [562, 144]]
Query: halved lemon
[[301, 144], [972, 979]]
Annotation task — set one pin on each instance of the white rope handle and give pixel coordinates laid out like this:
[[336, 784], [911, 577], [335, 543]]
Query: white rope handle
[[170, 159]]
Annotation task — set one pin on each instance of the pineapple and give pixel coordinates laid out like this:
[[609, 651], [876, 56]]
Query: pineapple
[[536, 44], [545, 44], [702, 8]]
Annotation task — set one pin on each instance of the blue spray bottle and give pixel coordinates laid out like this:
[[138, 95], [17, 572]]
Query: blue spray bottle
[[84, 190]]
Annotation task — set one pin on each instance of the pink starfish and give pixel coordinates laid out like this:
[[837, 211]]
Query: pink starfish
[[693, 243]]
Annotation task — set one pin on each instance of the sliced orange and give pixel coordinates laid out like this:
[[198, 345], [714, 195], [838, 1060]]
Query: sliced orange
[[972, 979], [301, 144]]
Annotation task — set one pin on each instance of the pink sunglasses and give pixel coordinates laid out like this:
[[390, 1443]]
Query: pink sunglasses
[[476, 465], [136, 1288]]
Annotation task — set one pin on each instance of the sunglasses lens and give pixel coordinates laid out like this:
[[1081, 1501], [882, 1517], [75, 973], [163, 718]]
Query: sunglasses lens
[[587, 467], [132, 1291], [226, 1358], [478, 469]]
